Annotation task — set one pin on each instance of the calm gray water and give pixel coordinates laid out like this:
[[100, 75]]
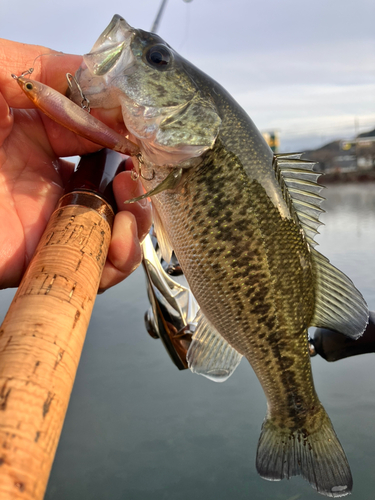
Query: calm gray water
[[139, 429]]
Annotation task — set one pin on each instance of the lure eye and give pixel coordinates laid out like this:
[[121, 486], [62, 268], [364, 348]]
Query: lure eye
[[29, 86], [159, 57]]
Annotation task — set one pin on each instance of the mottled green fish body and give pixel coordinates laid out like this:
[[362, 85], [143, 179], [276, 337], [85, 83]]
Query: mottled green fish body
[[251, 271], [240, 222]]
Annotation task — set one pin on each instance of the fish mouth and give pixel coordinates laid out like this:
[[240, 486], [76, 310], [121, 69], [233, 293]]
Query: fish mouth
[[110, 57], [111, 45]]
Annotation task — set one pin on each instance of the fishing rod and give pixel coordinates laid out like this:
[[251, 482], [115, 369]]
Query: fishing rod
[[155, 24], [44, 330]]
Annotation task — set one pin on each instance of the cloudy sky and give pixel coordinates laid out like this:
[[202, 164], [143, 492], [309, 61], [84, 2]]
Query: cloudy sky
[[304, 68]]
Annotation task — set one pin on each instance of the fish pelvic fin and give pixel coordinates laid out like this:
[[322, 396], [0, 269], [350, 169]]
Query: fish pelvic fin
[[318, 457]]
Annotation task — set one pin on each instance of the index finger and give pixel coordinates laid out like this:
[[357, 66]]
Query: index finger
[[49, 67]]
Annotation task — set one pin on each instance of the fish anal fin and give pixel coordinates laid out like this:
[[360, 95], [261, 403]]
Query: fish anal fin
[[318, 457], [209, 354], [338, 304]]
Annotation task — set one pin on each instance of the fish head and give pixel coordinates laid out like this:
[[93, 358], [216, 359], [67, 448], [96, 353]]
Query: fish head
[[162, 107]]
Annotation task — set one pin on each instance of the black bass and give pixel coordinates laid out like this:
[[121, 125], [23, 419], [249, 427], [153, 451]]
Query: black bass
[[241, 223]]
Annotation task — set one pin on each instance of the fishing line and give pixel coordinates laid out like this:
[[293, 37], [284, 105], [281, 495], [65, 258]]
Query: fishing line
[[47, 54], [31, 69]]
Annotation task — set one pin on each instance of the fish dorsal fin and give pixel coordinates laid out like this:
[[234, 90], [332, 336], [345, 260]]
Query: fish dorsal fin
[[162, 236], [338, 304], [209, 354], [298, 182]]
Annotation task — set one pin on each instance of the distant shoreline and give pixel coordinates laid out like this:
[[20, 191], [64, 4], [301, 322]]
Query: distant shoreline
[[356, 176]]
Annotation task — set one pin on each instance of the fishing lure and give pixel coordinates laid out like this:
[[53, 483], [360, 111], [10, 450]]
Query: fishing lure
[[68, 114]]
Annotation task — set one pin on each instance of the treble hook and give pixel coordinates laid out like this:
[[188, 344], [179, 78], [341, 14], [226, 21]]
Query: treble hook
[[141, 162], [85, 103]]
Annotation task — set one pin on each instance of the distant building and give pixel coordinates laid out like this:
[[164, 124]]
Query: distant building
[[272, 139], [365, 145], [345, 156], [333, 156]]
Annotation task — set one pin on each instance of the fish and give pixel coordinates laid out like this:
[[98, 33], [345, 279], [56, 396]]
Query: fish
[[65, 112], [241, 222]]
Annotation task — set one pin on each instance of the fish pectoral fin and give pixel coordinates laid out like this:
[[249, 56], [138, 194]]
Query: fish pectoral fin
[[338, 304], [170, 182], [317, 456], [162, 236], [209, 354]]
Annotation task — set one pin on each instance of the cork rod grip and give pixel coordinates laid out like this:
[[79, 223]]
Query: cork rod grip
[[41, 340]]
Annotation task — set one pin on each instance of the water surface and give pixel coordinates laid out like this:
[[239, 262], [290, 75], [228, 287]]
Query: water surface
[[138, 429]]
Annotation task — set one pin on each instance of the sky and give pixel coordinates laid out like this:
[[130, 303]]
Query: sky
[[304, 69]]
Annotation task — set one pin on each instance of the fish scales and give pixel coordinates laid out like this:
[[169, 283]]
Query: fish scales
[[222, 200], [228, 222]]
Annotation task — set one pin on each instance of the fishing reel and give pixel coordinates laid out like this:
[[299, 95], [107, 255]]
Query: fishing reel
[[173, 307], [333, 346]]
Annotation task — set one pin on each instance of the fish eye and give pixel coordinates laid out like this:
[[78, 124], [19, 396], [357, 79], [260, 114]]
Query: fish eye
[[29, 86], [158, 56]]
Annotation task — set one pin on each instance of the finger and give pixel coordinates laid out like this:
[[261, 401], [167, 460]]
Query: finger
[[124, 254], [49, 67], [125, 188]]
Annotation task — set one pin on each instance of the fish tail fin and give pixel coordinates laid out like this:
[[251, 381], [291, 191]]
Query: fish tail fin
[[317, 456]]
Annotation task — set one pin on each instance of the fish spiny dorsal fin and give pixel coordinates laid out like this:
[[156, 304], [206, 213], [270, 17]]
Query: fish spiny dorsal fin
[[298, 182]]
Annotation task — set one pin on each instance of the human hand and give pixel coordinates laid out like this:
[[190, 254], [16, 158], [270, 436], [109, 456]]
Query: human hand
[[33, 175]]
